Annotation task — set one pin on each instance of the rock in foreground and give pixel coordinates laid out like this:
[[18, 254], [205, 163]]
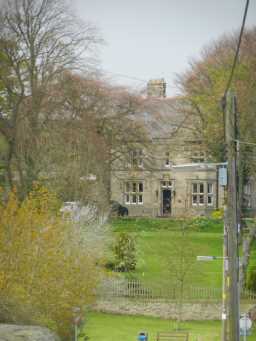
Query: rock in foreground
[[10, 332]]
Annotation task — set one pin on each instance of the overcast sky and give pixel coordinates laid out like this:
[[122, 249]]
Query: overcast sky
[[148, 39]]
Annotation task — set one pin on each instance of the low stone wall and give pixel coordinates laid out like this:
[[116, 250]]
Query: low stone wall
[[166, 310], [11, 332]]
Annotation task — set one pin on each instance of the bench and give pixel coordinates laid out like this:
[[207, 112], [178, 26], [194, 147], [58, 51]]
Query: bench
[[172, 336]]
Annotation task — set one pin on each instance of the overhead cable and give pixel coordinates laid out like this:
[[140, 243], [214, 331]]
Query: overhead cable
[[237, 49]]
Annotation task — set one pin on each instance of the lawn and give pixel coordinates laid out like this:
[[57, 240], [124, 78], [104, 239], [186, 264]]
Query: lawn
[[161, 246], [155, 224], [109, 327]]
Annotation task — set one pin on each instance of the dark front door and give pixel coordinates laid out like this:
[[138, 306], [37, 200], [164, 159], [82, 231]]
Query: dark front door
[[167, 201]]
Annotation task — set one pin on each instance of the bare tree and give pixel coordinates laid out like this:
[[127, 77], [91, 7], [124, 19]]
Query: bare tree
[[40, 39], [89, 126], [181, 265]]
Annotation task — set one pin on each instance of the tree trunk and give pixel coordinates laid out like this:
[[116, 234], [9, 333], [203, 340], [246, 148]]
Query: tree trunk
[[9, 163]]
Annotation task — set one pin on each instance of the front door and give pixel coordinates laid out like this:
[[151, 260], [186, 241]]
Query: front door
[[166, 201]]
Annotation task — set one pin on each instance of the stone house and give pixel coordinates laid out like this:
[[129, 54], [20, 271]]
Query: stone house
[[168, 174]]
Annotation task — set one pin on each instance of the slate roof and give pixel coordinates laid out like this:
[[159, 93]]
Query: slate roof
[[160, 117]]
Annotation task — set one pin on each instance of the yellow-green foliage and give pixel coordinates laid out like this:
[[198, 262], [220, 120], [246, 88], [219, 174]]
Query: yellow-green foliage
[[44, 271], [218, 214]]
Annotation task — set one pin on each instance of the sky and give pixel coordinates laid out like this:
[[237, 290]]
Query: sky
[[147, 39]]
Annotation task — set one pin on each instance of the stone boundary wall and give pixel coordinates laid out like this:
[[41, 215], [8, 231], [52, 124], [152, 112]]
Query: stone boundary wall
[[166, 310], [12, 332]]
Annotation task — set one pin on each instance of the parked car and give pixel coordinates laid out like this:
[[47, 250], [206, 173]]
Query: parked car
[[118, 210], [79, 212]]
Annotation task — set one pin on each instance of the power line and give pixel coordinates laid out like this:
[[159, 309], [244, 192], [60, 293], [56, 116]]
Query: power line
[[125, 76], [144, 81], [237, 49]]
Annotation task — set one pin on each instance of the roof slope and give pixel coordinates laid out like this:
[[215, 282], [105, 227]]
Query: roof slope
[[160, 117]]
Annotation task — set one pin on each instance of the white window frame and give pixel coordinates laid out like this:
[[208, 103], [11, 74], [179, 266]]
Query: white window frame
[[133, 190], [210, 193], [201, 191], [166, 184]]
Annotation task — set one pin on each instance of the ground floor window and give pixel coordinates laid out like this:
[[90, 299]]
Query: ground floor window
[[134, 192], [247, 197], [202, 193]]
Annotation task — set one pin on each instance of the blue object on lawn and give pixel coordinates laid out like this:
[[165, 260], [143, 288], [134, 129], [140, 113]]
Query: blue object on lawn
[[143, 336]]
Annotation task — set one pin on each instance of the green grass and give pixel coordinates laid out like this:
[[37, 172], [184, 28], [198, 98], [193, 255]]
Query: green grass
[[160, 248], [159, 257], [109, 327], [252, 262], [156, 224]]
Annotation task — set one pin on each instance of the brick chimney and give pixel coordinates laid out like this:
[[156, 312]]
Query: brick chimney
[[156, 88]]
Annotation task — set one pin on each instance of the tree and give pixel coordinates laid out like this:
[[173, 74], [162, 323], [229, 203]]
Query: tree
[[202, 88], [181, 265], [48, 264], [90, 126], [203, 84], [39, 40], [124, 253]]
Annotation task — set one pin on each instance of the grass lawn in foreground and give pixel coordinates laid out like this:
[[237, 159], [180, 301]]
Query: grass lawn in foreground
[[160, 248], [109, 327]]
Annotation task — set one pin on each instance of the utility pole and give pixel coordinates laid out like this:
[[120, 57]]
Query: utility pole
[[231, 219], [225, 293]]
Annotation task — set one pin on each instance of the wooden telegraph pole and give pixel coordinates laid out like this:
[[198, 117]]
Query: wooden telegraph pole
[[225, 278], [231, 220]]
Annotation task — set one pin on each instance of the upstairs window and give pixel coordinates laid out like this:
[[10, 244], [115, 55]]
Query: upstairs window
[[167, 160], [134, 193], [198, 156], [136, 158], [248, 189], [247, 197]]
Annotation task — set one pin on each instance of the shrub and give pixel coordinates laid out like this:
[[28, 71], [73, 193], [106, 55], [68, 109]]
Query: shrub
[[46, 269], [218, 214], [251, 279], [124, 252], [205, 224]]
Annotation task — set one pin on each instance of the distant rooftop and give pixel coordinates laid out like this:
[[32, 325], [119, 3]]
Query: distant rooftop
[[156, 88], [160, 117]]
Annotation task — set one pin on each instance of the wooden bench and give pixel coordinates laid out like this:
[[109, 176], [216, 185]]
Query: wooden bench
[[172, 336]]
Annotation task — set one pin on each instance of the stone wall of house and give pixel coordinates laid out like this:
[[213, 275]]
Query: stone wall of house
[[166, 310], [181, 179]]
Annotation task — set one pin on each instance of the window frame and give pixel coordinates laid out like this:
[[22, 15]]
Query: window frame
[[136, 158], [198, 156], [135, 194], [202, 193]]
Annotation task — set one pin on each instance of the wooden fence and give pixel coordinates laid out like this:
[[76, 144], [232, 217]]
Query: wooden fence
[[135, 289]]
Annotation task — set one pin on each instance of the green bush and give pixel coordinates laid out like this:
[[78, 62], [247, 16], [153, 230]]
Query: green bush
[[124, 252], [251, 279], [205, 224]]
